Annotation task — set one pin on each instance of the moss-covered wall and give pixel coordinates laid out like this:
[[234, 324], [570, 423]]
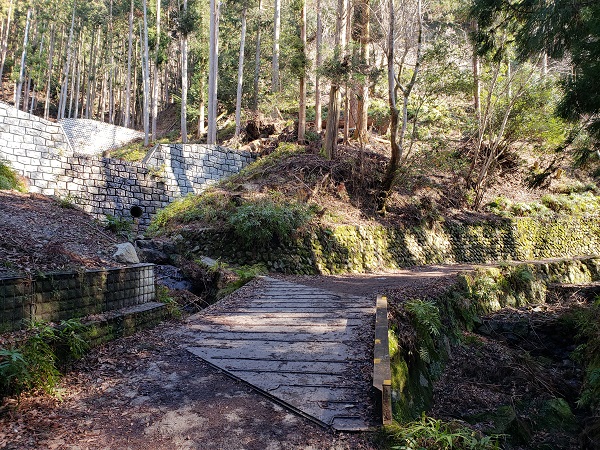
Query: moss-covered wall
[[62, 296], [481, 291], [349, 248]]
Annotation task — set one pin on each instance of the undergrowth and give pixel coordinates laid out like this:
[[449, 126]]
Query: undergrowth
[[163, 296], [37, 362], [133, 152], [577, 202], [588, 352], [432, 434], [244, 275]]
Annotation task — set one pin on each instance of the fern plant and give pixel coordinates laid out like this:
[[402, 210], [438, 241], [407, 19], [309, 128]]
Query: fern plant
[[428, 324], [432, 434]]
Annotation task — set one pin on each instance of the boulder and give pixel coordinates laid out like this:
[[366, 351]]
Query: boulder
[[154, 251], [126, 254]]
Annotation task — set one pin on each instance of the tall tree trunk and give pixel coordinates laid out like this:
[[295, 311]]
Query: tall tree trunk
[[184, 80], [363, 97], [5, 43], [335, 96], [126, 119], [79, 86], [134, 121], [302, 106], [476, 66], [319, 63], [89, 100], [257, 60], [213, 67], [65, 81], [111, 74], [74, 77], [156, 72], [240, 79], [275, 85], [146, 74], [23, 59], [201, 107], [27, 94], [348, 91], [49, 73]]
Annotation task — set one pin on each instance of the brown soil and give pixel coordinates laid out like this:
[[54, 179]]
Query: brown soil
[[37, 234]]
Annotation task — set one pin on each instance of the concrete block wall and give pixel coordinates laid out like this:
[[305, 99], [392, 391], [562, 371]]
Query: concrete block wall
[[61, 296], [39, 150], [92, 137], [34, 147], [190, 168]]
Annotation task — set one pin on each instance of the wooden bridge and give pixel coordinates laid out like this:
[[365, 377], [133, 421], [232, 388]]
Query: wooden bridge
[[308, 349]]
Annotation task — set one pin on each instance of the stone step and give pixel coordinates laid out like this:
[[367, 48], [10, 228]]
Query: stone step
[[124, 322]]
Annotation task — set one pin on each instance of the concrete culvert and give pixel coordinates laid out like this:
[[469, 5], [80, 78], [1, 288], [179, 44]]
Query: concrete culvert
[[136, 211]]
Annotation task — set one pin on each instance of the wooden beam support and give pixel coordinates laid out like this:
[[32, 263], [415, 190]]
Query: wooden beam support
[[382, 373]]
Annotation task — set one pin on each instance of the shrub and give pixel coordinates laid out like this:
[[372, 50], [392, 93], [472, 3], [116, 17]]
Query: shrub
[[34, 363], [9, 179], [261, 222], [119, 225], [427, 322]]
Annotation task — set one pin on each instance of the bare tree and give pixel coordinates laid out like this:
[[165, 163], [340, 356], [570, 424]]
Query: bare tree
[[257, 59], [156, 83], [319, 63], [146, 75], [240, 79], [128, 77], [49, 73], [23, 59], [184, 78], [5, 42], [364, 16], [302, 111], [335, 95], [275, 85], [395, 85], [65, 81]]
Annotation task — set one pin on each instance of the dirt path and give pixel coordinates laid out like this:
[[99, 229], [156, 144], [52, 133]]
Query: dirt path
[[148, 392]]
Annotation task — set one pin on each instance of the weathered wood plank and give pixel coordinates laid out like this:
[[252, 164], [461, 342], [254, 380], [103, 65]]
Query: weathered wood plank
[[295, 344]]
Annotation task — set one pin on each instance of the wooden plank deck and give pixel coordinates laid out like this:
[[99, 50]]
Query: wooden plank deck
[[306, 348]]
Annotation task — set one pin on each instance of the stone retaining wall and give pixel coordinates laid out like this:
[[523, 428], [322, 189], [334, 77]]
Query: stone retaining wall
[[349, 248], [93, 137], [39, 151], [61, 296]]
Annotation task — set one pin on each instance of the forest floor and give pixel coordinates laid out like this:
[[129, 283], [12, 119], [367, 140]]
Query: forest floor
[[39, 235]]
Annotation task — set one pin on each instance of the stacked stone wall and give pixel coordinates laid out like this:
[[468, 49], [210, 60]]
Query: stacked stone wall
[[61, 296], [350, 248], [39, 151]]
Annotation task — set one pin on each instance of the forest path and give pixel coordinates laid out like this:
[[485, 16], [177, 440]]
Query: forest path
[[307, 348], [148, 391]]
